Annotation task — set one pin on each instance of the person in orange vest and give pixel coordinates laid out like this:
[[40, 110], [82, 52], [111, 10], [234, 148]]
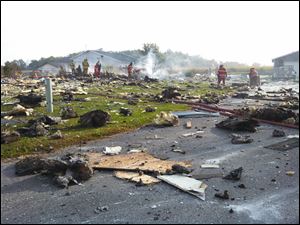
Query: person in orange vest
[[130, 69], [222, 74], [97, 70]]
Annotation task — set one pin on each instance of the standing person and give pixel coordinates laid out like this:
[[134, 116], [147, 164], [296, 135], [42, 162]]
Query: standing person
[[222, 74], [96, 70], [85, 66], [254, 78], [130, 69], [72, 66]]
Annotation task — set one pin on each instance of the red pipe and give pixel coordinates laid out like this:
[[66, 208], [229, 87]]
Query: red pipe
[[206, 106]]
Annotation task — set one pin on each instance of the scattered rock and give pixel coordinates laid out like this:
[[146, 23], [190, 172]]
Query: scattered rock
[[231, 211], [170, 93]]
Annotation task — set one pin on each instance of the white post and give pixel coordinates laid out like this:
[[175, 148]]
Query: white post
[[49, 97]]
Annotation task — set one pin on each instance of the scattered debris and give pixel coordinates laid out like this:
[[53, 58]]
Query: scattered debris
[[9, 136], [150, 109], [241, 186], [96, 118], [187, 184], [210, 166], [176, 168], [69, 169], [277, 114], [101, 209], [155, 137], [31, 99], [57, 135], [35, 130], [112, 150], [290, 173], [137, 177], [166, 119], [178, 150], [188, 124], [125, 111], [68, 113], [193, 133], [133, 101], [224, 195], [18, 110], [48, 120], [285, 145], [278, 133], [239, 139], [231, 211], [237, 124], [234, 174], [170, 93]]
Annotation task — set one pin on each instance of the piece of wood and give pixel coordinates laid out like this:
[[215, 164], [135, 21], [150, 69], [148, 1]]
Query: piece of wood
[[136, 177], [140, 161]]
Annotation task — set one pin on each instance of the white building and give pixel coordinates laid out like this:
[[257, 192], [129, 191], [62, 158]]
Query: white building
[[287, 66]]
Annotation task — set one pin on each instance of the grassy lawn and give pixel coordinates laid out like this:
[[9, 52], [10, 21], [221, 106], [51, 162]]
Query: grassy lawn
[[74, 134]]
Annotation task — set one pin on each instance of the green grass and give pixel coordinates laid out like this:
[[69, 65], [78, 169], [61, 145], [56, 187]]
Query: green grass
[[74, 134]]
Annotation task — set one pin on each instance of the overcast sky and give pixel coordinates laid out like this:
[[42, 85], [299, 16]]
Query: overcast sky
[[246, 32]]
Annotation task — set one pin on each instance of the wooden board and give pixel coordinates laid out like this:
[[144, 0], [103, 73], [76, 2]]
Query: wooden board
[[140, 161], [136, 177]]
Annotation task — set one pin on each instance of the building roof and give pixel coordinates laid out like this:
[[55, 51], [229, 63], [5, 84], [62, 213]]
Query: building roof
[[117, 57], [54, 64], [294, 56]]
